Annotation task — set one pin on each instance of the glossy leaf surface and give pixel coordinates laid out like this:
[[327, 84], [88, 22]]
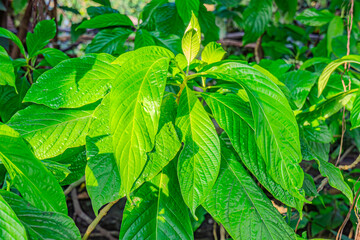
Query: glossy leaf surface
[[9, 35], [186, 8], [107, 20], [191, 40], [43, 32], [213, 52], [199, 160], [7, 75]]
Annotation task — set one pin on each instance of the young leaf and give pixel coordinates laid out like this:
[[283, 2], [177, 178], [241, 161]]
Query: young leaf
[[51, 132], [235, 117], [199, 160], [7, 75], [43, 32], [241, 207], [191, 40], [159, 211], [9, 35], [11, 227], [41, 224], [137, 91], [102, 176], [213, 52], [53, 56], [36, 184], [276, 130], [325, 75], [75, 82], [355, 112], [257, 16], [186, 8], [107, 20]]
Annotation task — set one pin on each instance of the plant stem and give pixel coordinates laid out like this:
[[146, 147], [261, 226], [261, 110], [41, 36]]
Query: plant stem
[[96, 221], [74, 185]]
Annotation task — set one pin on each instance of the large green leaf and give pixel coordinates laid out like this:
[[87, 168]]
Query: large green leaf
[[50, 132], [7, 74], [109, 41], [11, 227], [325, 108], [288, 7], [102, 176], [186, 8], [314, 17], [135, 109], [207, 21], [355, 112], [299, 83], [192, 40], [36, 184], [240, 205], [199, 161], [41, 224], [97, 11], [234, 116], [168, 20], [331, 67], [143, 39], [9, 35], [256, 17], [276, 130], [159, 211], [169, 41], [107, 20], [10, 101], [43, 32], [75, 82]]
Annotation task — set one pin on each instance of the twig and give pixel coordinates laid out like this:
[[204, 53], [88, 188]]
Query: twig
[[79, 212], [222, 232], [94, 223], [347, 167], [214, 231], [74, 185], [341, 229]]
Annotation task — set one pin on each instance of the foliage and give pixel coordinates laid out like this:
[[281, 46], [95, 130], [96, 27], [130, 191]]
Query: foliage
[[166, 122]]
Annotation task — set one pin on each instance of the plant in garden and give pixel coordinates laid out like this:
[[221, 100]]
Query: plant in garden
[[176, 134]]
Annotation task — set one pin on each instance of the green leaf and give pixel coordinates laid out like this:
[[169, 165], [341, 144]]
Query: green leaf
[[315, 18], [10, 101], [97, 11], [299, 83], [75, 82], [256, 17], [50, 132], [325, 108], [168, 20], [143, 39], [35, 183], [109, 41], [7, 75], [59, 170], [103, 2], [137, 91], [148, 14], [43, 32], [207, 21], [107, 20], [199, 160], [19, 5], [213, 52], [314, 61], [102, 176], [336, 28], [159, 211], [276, 130], [11, 227], [53, 56], [235, 117], [41, 224], [191, 40], [288, 7], [309, 186], [240, 205], [170, 41], [355, 112], [331, 67], [9, 35], [75, 158], [186, 8]]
